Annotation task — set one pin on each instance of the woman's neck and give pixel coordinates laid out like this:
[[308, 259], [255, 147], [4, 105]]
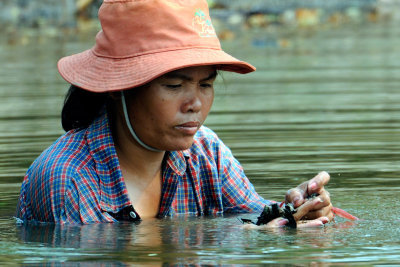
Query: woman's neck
[[134, 157], [141, 170]]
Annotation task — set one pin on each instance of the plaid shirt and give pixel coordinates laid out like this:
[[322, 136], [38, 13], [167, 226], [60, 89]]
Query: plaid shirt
[[78, 180]]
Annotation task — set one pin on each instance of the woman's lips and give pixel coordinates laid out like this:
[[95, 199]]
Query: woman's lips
[[188, 128]]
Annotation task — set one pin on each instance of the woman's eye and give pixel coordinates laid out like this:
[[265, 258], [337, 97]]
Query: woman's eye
[[206, 85], [173, 86]]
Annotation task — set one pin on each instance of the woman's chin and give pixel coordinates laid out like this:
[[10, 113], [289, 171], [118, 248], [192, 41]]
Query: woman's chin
[[178, 146]]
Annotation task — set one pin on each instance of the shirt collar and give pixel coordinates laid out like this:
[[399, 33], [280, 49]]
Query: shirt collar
[[177, 161]]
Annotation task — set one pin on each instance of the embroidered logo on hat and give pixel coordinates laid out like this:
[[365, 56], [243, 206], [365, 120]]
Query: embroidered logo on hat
[[202, 23]]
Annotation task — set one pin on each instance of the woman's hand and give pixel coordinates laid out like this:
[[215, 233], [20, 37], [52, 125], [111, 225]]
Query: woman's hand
[[308, 206], [298, 196], [311, 212]]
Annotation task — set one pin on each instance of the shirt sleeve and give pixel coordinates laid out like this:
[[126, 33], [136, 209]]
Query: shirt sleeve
[[239, 195], [22, 209], [34, 203], [47, 195]]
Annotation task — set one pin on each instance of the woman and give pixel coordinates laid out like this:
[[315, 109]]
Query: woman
[[135, 146]]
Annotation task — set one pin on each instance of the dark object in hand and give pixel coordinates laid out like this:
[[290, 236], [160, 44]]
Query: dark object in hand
[[274, 211]]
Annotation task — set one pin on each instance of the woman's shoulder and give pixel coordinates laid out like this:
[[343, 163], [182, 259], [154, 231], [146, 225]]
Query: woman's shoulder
[[56, 180], [75, 151], [66, 154]]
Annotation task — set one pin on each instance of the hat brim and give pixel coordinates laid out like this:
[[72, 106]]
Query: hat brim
[[103, 74]]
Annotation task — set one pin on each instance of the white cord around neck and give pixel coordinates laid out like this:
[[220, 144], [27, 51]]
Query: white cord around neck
[[128, 123]]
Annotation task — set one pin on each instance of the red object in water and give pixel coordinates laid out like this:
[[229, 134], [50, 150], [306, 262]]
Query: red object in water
[[344, 214]]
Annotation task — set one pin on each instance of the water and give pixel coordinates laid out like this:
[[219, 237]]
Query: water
[[329, 100]]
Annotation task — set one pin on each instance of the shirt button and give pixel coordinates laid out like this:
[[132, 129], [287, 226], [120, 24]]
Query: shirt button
[[132, 214]]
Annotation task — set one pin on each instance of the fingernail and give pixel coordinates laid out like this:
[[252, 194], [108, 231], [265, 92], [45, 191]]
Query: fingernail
[[313, 186], [283, 222], [318, 200]]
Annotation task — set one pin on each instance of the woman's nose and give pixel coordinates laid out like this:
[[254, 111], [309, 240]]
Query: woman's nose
[[192, 103]]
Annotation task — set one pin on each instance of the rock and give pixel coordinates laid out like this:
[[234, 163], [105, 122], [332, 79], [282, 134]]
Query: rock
[[307, 17], [354, 14], [235, 19], [288, 17], [257, 20]]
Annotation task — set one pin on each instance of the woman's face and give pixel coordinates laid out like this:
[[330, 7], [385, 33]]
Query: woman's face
[[167, 112]]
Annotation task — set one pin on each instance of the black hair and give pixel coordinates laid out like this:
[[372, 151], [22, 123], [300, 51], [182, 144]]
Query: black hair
[[82, 107]]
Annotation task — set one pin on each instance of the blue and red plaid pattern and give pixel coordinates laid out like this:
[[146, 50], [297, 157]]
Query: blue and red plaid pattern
[[78, 180]]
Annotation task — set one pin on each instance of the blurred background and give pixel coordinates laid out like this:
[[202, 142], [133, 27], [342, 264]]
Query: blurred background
[[21, 20]]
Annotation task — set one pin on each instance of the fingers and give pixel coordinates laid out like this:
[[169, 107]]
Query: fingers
[[316, 211], [316, 184], [295, 196], [304, 210], [308, 206], [324, 212], [323, 208], [280, 222], [313, 223], [298, 195], [275, 223]]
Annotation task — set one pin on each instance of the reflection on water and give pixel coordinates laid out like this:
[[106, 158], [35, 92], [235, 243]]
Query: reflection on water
[[328, 101], [201, 241], [191, 240]]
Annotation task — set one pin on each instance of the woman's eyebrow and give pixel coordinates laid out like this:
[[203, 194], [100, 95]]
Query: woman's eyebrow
[[175, 75], [212, 76]]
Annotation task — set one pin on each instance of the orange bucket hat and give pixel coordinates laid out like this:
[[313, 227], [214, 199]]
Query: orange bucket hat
[[141, 40]]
